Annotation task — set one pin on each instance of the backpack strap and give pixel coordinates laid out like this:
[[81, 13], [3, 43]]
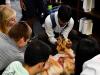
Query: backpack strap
[[52, 16]]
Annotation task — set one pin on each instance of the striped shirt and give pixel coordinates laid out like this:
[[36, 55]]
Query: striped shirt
[[8, 51]]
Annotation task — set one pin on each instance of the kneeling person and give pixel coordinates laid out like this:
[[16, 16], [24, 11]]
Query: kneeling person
[[36, 54]]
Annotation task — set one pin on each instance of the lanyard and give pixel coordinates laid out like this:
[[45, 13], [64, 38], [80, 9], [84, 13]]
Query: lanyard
[[63, 28]]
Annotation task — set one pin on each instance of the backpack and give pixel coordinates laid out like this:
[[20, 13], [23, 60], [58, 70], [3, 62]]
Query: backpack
[[52, 15], [54, 9]]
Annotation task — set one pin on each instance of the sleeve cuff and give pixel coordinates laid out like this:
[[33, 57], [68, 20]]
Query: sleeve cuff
[[53, 40]]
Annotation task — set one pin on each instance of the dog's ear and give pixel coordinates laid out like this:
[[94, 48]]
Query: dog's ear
[[68, 43]]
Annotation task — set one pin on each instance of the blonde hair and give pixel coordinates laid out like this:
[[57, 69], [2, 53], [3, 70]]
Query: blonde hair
[[6, 13]]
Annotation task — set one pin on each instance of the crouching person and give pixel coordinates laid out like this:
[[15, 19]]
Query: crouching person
[[36, 54]]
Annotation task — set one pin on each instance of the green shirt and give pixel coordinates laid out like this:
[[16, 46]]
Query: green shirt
[[15, 68]]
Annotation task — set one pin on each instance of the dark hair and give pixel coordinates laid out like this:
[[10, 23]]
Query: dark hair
[[88, 45], [64, 13], [87, 49], [37, 51], [21, 29]]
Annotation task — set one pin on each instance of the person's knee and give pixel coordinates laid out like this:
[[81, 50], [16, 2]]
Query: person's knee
[[73, 35]]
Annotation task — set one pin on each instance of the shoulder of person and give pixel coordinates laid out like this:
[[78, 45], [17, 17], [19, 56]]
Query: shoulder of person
[[48, 20], [93, 62], [15, 68], [92, 66], [96, 58], [16, 64]]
